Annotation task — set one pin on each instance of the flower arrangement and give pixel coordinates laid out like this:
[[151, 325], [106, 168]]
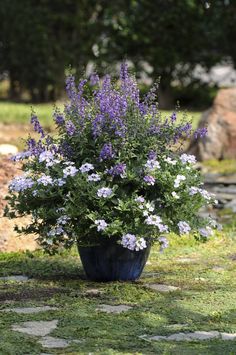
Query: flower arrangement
[[114, 170]]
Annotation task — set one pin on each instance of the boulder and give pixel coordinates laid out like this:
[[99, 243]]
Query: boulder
[[220, 142], [8, 149]]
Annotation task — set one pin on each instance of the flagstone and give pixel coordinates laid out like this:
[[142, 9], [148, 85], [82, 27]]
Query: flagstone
[[52, 342], [163, 288], [38, 328], [29, 310], [113, 309]]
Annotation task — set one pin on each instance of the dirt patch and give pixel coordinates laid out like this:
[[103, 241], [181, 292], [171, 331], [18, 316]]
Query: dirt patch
[[21, 293], [9, 239]]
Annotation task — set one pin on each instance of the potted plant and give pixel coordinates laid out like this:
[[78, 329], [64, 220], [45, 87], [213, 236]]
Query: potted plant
[[112, 180]]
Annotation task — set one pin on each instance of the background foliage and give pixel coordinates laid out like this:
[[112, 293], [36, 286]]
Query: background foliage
[[38, 39]]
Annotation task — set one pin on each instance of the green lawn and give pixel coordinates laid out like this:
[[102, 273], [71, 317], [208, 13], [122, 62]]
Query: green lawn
[[20, 113], [205, 302]]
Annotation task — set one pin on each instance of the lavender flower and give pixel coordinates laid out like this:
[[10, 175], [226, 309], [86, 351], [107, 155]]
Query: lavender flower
[[21, 156], [152, 164], [205, 232], [173, 117], [104, 192], [59, 119], [152, 155], [164, 243], [150, 180], [94, 79], [101, 224], [140, 199], [184, 227]]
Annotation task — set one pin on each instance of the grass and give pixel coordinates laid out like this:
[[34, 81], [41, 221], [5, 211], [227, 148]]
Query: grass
[[20, 113], [227, 166], [206, 301]]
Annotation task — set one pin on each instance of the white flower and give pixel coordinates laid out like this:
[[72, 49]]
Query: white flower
[[149, 207], [59, 182], [86, 167], [175, 195], [193, 190], [70, 171], [178, 180], [101, 224], [94, 177], [170, 161], [187, 158], [104, 192], [145, 213], [152, 164], [139, 199]]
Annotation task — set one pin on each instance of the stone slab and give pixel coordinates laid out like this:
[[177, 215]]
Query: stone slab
[[162, 288], [197, 335], [30, 310], [37, 328], [19, 278], [228, 336], [53, 343], [113, 309]]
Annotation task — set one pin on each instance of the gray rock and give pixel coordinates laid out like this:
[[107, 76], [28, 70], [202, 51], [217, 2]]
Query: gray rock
[[231, 205], [113, 309], [201, 335], [218, 268], [38, 328], [198, 335], [228, 336], [162, 288], [51, 342], [30, 310], [19, 278]]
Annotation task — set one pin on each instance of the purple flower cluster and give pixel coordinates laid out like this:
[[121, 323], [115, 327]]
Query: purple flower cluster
[[117, 170], [150, 180], [106, 152], [70, 128]]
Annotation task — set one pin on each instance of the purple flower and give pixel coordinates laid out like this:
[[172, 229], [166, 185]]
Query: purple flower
[[21, 183], [200, 132], [173, 117], [94, 79], [101, 224], [86, 167], [117, 170], [187, 158], [70, 128], [104, 192], [205, 232], [150, 180], [59, 119], [152, 155], [106, 152], [130, 242], [36, 125]]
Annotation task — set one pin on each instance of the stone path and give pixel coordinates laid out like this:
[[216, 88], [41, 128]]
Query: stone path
[[19, 278], [37, 328], [29, 310], [113, 309], [198, 335], [162, 288]]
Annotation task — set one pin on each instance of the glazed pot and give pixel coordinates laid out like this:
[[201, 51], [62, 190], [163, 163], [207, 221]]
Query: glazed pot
[[110, 261]]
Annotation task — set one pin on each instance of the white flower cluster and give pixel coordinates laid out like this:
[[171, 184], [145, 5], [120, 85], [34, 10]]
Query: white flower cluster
[[85, 168], [45, 180], [94, 177], [21, 183], [152, 164], [104, 192], [130, 242], [204, 193], [154, 220], [101, 224], [184, 227], [178, 180], [188, 158], [70, 170], [170, 161]]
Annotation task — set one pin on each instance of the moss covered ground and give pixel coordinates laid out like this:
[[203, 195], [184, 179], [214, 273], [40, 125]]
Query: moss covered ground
[[206, 301]]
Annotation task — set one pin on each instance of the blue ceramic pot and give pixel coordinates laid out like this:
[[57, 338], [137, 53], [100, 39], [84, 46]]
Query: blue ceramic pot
[[110, 261]]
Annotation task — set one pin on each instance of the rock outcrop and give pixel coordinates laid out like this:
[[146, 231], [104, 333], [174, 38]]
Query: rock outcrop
[[220, 142]]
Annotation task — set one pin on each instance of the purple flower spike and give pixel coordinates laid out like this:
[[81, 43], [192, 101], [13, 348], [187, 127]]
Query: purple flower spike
[[200, 132], [70, 128], [150, 180], [37, 126]]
